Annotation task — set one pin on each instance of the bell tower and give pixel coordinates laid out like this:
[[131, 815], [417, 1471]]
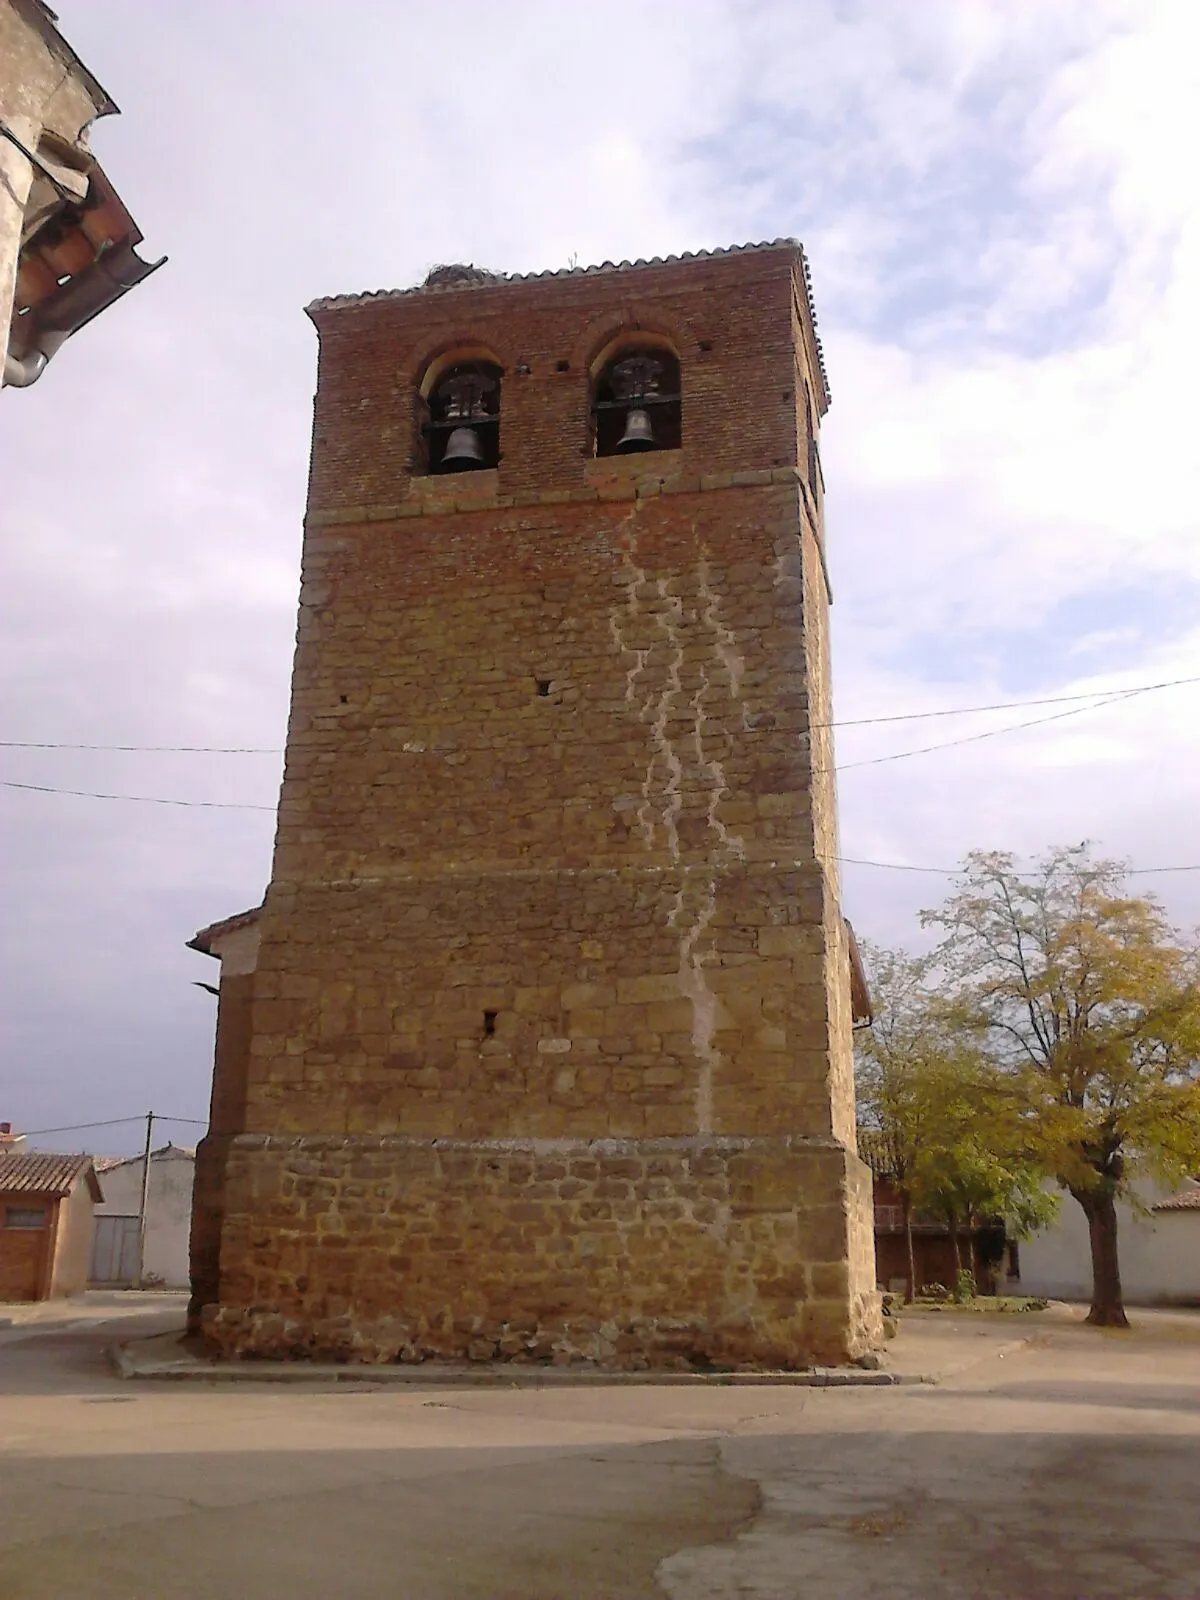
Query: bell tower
[[548, 1048]]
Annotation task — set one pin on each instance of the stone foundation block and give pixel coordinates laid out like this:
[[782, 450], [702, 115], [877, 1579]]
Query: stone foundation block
[[702, 1253]]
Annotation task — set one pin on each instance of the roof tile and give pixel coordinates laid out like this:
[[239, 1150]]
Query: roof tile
[[202, 941], [493, 280], [32, 1172]]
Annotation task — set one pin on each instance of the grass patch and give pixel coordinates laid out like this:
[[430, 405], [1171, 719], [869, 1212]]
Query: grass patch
[[985, 1304]]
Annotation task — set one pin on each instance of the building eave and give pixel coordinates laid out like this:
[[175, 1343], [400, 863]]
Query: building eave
[[478, 281], [81, 259], [861, 1008], [204, 940]]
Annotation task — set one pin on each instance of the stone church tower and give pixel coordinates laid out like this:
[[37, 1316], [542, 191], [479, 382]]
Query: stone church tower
[[539, 1047]]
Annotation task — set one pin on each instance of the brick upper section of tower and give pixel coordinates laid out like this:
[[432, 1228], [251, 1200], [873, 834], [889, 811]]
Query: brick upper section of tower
[[735, 319]]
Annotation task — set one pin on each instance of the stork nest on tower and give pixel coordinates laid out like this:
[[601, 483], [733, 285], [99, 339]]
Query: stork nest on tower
[[453, 273]]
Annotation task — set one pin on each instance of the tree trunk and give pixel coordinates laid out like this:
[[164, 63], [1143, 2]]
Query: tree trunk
[[1107, 1309], [911, 1294], [952, 1220]]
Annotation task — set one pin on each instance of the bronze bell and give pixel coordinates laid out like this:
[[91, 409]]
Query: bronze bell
[[463, 452], [639, 433]]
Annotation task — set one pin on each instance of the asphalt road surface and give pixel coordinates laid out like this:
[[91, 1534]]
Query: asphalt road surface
[[1050, 1461]]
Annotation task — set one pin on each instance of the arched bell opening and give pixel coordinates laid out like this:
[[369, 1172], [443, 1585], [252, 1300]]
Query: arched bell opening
[[461, 428], [637, 402]]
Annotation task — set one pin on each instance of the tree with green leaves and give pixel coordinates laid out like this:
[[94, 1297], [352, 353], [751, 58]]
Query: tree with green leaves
[[1088, 1003], [944, 1129], [977, 1164], [890, 1068]]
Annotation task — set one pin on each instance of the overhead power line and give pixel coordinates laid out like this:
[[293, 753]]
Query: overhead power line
[[953, 872], [152, 749], [990, 733], [1101, 696], [142, 799], [109, 1122], [1113, 698], [1098, 695]]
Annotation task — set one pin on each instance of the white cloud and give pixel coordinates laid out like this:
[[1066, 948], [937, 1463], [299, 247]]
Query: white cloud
[[1000, 202]]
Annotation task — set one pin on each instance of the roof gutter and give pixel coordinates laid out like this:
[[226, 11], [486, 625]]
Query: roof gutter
[[21, 371], [19, 374]]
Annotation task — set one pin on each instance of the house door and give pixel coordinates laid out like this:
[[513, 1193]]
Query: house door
[[24, 1243], [114, 1251]]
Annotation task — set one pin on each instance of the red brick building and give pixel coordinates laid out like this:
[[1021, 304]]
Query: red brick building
[[543, 1048], [46, 1222], [981, 1249]]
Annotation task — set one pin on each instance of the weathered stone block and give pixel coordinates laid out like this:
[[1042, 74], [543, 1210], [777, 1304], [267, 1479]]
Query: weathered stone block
[[445, 1228], [558, 741]]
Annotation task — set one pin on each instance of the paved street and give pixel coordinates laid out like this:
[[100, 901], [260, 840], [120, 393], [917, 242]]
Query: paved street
[[1049, 1460]]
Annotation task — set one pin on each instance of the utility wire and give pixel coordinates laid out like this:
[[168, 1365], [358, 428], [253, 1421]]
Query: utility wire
[[1006, 705], [953, 872], [159, 749], [1113, 698], [991, 733], [1102, 695], [110, 1122], [143, 799]]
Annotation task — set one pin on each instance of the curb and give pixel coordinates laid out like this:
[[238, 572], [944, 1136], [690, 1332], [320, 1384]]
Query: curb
[[507, 1375]]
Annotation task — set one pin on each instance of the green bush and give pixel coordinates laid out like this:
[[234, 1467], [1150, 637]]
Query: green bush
[[965, 1287]]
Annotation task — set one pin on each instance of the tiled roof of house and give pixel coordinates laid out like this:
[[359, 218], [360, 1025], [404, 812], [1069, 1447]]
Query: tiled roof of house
[[34, 1172], [878, 1151], [203, 940], [1188, 1199], [444, 281], [164, 1152]]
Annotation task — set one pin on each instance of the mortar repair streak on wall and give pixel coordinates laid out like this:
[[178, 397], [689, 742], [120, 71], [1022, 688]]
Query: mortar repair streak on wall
[[613, 885]]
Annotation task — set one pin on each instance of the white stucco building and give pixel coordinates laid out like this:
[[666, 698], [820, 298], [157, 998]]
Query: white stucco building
[[1158, 1245], [168, 1219]]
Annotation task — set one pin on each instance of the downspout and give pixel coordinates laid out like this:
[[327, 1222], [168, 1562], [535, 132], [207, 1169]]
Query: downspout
[[20, 372]]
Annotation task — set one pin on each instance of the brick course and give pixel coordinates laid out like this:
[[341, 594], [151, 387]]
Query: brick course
[[556, 853]]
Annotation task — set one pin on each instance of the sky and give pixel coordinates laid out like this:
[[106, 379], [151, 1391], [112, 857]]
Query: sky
[[999, 199]]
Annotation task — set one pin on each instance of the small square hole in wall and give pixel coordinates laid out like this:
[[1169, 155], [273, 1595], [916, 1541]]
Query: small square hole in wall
[[562, 366], [544, 686], [489, 1024], [706, 345]]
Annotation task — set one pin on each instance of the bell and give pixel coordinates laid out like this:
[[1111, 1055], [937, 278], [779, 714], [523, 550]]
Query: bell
[[462, 452], [638, 435]]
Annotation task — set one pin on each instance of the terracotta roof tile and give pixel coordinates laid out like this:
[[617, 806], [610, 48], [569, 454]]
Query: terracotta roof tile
[[1188, 1199], [33, 1172], [202, 941], [108, 1163], [479, 279], [878, 1150]]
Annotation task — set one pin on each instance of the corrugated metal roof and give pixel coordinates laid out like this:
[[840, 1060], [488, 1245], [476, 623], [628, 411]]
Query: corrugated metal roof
[[491, 280], [1188, 1199], [33, 1172]]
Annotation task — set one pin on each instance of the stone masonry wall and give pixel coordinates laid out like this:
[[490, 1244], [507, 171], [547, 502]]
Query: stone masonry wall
[[226, 1118], [621, 870], [629, 1253], [555, 854]]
